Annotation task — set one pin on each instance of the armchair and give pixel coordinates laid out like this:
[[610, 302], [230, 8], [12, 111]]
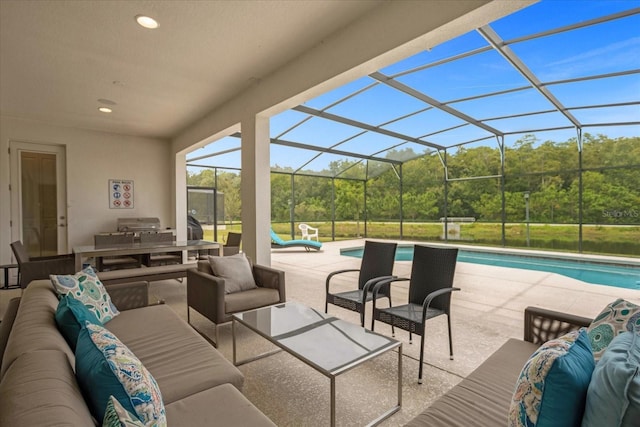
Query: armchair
[[206, 293], [41, 267]]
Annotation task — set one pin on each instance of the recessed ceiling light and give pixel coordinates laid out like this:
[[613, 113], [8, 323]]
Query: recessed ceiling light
[[106, 101], [147, 21], [105, 109]]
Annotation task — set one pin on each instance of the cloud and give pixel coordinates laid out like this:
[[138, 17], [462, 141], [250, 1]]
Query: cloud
[[616, 56], [629, 46]]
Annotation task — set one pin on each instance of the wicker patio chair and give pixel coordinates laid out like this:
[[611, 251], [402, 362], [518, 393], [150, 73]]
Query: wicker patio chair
[[430, 289], [377, 263], [115, 262], [39, 267], [164, 258], [230, 247]]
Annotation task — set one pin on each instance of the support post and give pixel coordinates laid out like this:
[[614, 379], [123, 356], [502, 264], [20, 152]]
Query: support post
[[256, 189], [526, 214]]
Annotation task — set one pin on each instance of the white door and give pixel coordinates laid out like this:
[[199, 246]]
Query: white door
[[39, 197]]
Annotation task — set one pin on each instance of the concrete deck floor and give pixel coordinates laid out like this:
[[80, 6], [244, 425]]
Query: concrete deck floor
[[485, 313]]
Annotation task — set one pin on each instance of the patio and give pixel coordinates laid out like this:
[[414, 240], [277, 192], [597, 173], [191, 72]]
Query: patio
[[486, 312]]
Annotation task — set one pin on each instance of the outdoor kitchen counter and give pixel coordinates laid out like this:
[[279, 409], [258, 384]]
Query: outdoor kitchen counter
[[140, 248]]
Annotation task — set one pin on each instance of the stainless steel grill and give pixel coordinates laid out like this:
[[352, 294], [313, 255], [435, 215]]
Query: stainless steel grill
[[137, 225]]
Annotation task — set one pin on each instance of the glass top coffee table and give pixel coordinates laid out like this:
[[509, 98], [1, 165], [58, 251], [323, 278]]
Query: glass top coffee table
[[328, 344]]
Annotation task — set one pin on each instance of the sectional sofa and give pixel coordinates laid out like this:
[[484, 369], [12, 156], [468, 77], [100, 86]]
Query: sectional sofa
[[38, 385], [608, 396]]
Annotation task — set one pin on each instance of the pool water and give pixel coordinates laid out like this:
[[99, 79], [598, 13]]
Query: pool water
[[587, 271]]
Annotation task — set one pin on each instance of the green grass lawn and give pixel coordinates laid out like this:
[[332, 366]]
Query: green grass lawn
[[618, 240]]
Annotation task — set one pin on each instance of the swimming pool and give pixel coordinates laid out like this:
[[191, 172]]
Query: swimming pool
[[588, 271]]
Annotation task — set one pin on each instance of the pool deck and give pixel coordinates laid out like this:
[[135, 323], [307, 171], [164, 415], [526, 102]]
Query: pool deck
[[603, 259], [485, 313]]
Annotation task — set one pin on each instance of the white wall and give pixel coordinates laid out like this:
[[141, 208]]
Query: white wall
[[92, 159]]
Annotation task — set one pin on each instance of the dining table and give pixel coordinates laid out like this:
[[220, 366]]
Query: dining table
[[137, 248]]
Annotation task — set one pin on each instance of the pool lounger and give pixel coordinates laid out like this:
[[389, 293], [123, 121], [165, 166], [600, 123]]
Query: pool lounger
[[278, 243]]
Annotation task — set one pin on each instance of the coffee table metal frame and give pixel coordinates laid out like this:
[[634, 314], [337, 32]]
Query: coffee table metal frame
[[331, 374]]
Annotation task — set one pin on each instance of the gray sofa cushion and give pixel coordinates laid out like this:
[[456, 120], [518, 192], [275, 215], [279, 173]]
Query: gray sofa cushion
[[40, 389], [220, 406], [249, 300], [7, 323], [35, 326], [484, 397], [181, 361]]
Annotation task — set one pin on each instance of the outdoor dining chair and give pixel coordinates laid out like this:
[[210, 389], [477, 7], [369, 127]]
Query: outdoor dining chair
[[164, 258], [377, 263], [231, 246], [430, 289], [115, 262], [34, 268]]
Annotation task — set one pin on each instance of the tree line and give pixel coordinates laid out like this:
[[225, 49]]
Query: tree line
[[549, 173]]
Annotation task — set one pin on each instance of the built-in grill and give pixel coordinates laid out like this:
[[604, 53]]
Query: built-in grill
[[137, 225]]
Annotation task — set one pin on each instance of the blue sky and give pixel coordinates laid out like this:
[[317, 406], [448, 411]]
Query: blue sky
[[609, 47]]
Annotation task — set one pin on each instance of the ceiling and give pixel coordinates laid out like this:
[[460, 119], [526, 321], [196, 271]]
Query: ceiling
[[547, 70], [62, 60]]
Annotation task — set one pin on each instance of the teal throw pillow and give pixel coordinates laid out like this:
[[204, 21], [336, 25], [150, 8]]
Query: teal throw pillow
[[613, 398], [106, 367], [618, 317], [116, 416], [552, 387], [71, 316], [86, 287]]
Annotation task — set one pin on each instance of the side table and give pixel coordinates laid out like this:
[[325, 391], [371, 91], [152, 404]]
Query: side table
[[5, 268]]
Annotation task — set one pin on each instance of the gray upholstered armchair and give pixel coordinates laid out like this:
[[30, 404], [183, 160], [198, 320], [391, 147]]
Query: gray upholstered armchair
[[40, 268], [206, 293]]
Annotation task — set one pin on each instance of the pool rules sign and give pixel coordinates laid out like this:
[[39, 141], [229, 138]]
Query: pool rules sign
[[120, 194]]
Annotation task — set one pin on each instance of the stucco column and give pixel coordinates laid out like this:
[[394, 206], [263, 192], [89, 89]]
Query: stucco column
[[180, 196], [256, 190]]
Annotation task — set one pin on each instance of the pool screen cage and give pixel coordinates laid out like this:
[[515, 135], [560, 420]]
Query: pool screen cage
[[206, 205], [540, 145]]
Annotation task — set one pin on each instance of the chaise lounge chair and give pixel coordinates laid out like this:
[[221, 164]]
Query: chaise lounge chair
[[278, 243]]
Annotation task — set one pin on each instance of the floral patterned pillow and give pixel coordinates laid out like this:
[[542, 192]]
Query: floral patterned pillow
[[105, 367], [116, 416], [86, 287], [618, 317], [552, 387]]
